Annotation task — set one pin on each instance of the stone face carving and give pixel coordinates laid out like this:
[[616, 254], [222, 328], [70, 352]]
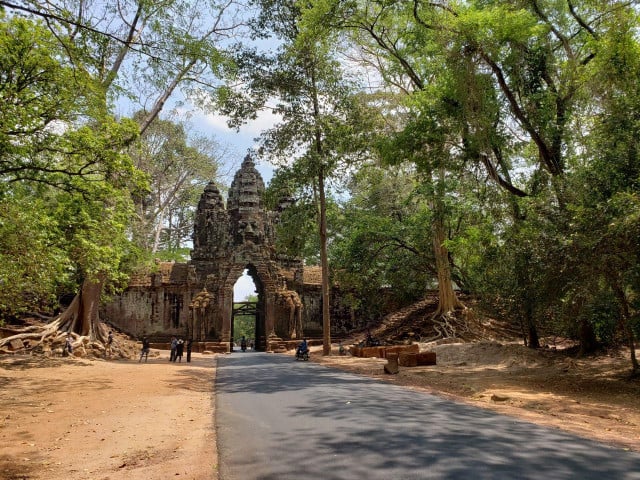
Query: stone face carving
[[246, 215], [210, 233], [242, 236]]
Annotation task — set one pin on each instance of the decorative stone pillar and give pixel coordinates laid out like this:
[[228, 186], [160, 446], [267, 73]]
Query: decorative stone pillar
[[201, 316]]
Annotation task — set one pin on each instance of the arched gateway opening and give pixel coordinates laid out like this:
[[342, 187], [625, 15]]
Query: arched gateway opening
[[247, 317]]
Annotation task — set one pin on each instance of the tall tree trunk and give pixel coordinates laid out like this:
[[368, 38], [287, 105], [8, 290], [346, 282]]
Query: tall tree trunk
[[624, 316], [531, 329], [82, 315], [534, 339], [448, 300], [587, 335], [156, 237], [324, 262], [322, 223]]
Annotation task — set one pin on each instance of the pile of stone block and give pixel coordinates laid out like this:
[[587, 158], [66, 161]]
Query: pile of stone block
[[397, 356]]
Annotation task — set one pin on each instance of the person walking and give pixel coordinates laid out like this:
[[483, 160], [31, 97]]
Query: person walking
[[145, 350], [174, 345], [109, 345], [68, 345]]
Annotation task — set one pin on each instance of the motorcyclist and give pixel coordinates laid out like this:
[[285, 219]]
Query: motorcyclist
[[243, 344], [302, 347]]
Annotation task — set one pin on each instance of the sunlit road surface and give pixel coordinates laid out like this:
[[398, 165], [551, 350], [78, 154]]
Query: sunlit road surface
[[281, 419]]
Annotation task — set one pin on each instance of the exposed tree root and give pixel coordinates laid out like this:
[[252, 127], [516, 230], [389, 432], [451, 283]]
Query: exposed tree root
[[80, 320], [452, 324], [49, 340]]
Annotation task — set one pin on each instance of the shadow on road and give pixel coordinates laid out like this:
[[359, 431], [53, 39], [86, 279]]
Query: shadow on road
[[347, 426]]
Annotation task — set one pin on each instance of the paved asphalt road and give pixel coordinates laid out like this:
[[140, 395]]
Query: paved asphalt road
[[280, 419]]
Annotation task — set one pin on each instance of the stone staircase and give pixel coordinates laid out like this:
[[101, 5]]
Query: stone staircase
[[403, 321]]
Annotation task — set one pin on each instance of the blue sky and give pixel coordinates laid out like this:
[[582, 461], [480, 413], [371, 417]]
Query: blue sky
[[237, 142]]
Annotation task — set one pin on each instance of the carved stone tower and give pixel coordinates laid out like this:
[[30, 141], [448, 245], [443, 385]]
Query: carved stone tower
[[195, 299], [242, 237]]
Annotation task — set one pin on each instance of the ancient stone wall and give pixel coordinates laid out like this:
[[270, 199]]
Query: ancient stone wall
[[195, 299], [155, 311], [227, 240]]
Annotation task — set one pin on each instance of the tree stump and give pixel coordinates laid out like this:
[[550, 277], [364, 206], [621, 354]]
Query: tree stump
[[371, 352], [392, 364], [413, 348]]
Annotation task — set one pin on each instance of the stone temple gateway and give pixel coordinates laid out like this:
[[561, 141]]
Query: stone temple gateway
[[195, 299]]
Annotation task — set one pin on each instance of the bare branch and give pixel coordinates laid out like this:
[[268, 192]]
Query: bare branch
[[57, 18]]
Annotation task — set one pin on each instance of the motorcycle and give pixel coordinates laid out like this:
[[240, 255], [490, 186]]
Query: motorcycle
[[302, 355]]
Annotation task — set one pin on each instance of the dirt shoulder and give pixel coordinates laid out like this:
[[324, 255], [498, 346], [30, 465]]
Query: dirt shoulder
[[77, 419], [590, 397]]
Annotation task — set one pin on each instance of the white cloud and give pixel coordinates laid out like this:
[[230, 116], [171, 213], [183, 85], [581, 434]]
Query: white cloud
[[243, 288], [236, 142], [252, 128], [241, 140]]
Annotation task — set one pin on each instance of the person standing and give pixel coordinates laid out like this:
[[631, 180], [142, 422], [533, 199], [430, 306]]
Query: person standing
[[179, 350], [68, 345], [145, 350], [174, 345], [189, 346], [107, 349]]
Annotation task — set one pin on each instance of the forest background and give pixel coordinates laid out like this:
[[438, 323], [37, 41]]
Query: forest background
[[483, 147]]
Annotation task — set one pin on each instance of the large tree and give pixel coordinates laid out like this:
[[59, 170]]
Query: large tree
[[497, 86], [323, 123], [178, 168], [56, 144], [103, 52]]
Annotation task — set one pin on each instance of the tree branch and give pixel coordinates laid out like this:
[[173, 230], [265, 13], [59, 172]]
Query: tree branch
[[545, 153], [493, 173], [581, 21], [58, 18]]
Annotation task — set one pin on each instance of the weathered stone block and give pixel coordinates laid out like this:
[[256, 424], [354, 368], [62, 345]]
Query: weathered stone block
[[392, 364], [414, 348], [408, 359], [369, 352], [16, 344], [426, 358]]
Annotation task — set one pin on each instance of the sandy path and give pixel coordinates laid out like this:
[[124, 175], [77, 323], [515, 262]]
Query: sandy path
[[81, 419]]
